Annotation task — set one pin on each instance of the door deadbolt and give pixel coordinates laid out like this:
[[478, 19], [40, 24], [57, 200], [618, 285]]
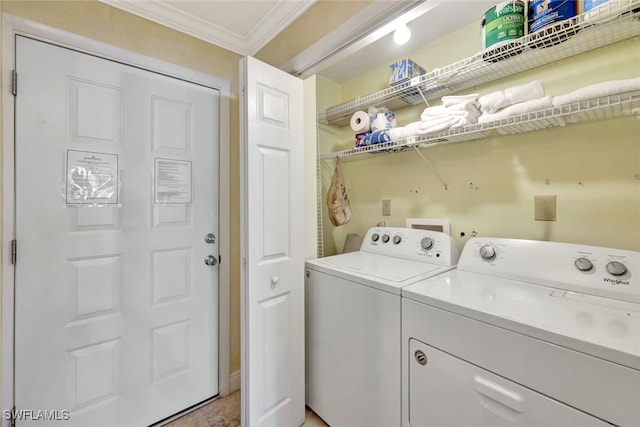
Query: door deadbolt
[[210, 260], [210, 238]]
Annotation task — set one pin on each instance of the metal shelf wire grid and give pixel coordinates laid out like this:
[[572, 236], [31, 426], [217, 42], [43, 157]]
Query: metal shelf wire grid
[[603, 108], [612, 22]]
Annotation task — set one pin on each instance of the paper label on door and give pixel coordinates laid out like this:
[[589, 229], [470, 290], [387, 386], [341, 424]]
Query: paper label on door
[[92, 179], [172, 182]]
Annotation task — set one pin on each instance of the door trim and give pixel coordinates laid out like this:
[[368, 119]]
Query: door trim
[[12, 26]]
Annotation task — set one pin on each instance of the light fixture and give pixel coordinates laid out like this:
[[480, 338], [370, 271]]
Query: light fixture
[[402, 34]]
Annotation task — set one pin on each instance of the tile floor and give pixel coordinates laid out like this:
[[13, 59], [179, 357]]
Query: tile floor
[[225, 412]]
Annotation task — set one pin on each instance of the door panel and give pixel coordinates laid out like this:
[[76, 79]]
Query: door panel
[[116, 312], [273, 280]]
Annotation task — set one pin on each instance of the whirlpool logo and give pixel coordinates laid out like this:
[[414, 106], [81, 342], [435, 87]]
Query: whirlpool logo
[[615, 282]]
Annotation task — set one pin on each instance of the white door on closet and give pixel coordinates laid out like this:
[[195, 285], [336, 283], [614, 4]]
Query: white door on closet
[[273, 241], [116, 312]]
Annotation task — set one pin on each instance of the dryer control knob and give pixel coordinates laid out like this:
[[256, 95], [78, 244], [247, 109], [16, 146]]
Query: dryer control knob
[[426, 243], [397, 239], [583, 264], [385, 238], [616, 268], [487, 252], [375, 237]]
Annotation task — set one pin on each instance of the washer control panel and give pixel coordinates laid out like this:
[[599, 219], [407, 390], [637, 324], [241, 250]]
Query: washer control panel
[[413, 244], [594, 270]]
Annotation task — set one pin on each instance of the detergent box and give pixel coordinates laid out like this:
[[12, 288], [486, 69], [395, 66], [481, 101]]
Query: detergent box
[[403, 70]]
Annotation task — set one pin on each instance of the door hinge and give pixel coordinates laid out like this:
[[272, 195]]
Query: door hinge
[[14, 251], [14, 82], [13, 415]]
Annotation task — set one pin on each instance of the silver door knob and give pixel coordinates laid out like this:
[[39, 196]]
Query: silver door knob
[[210, 260]]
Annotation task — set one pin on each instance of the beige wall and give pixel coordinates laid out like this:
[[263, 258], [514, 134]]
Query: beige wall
[[592, 168], [109, 25]]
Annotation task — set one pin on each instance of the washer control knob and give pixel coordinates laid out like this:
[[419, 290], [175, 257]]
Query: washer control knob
[[426, 243], [583, 264], [616, 268], [375, 237], [397, 239], [385, 238], [487, 252]]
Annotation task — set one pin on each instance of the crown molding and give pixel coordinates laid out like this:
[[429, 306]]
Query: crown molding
[[278, 18]]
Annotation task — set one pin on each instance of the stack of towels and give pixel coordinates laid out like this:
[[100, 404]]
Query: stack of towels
[[530, 97], [455, 112], [598, 90], [515, 101]]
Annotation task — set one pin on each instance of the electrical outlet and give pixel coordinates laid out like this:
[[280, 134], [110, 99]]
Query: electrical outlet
[[386, 207], [544, 208]]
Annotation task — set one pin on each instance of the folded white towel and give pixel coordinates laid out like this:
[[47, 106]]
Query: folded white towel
[[471, 107], [435, 124], [412, 129], [494, 101], [517, 109], [439, 111], [468, 112], [611, 87], [448, 101], [397, 133]]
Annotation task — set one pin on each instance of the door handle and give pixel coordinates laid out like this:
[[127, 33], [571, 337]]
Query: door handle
[[210, 260]]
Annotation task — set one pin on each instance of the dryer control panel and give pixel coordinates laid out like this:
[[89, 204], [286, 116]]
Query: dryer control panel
[[594, 270], [413, 244]]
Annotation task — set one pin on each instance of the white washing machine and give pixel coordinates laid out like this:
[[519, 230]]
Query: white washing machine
[[524, 333], [353, 323]]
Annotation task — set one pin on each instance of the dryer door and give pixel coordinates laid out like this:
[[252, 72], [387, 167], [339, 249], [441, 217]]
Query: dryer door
[[449, 392]]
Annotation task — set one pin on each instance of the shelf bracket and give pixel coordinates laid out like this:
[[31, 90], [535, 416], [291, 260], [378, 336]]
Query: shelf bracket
[[435, 172], [423, 97]]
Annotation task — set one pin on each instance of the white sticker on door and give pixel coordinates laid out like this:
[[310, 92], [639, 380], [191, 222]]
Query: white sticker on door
[[172, 182], [92, 179]]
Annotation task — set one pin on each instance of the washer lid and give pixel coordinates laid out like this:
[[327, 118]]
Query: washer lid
[[378, 271], [603, 327]]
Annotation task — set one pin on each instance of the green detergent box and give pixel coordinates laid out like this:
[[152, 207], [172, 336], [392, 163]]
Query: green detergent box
[[404, 70]]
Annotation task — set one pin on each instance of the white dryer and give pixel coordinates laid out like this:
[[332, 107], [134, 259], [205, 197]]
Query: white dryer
[[524, 333], [353, 323]]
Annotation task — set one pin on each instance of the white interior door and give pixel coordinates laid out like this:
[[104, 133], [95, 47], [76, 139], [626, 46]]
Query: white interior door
[[273, 242], [115, 312]]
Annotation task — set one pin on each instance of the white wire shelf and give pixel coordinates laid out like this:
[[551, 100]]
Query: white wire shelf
[[610, 23], [590, 110]]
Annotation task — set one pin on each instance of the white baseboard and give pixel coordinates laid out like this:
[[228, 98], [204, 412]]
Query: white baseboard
[[234, 381]]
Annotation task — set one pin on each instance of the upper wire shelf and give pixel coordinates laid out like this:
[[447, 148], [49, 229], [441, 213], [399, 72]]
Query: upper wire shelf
[[595, 109], [610, 23]]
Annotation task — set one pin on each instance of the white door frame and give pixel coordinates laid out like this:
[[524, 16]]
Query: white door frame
[[11, 26]]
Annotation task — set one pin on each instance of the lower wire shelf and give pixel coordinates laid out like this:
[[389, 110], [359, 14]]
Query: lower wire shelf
[[589, 110]]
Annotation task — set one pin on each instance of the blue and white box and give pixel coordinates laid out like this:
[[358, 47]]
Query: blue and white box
[[404, 70]]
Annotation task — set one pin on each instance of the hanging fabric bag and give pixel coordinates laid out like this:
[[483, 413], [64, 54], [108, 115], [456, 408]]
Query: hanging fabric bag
[[337, 199]]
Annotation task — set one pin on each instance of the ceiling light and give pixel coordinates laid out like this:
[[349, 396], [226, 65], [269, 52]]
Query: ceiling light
[[402, 34]]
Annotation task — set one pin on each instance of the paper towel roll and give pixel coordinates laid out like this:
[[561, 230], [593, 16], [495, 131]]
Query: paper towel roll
[[360, 122]]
